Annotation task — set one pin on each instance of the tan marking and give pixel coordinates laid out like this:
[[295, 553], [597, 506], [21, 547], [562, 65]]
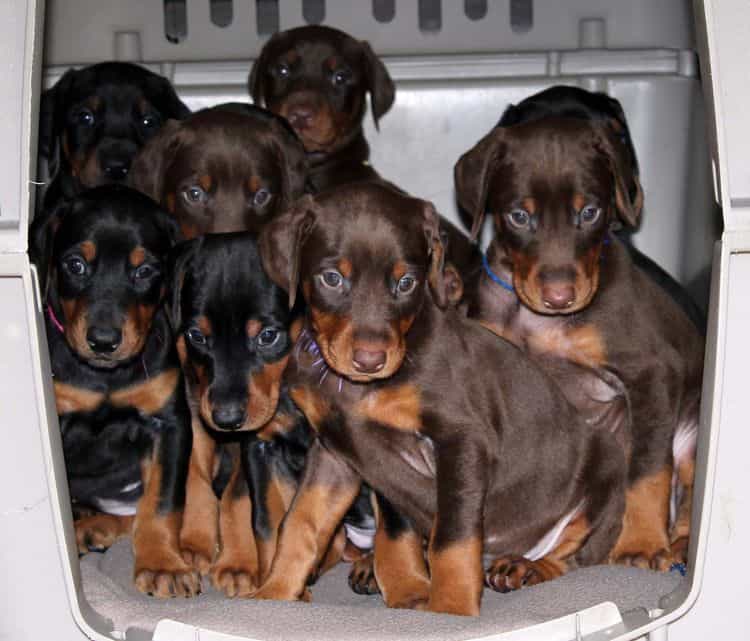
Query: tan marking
[[396, 407], [254, 183], [94, 103], [278, 499], [137, 256], [204, 324], [529, 205], [399, 270], [253, 327], [205, 182], [579, 200], [171, 201], [345, 267], [182, 350], [150, 396], [69, 399], [135, 330], [295, 329], [159, 568], [263, 394], [76, 325], [311, 404], [456, 578], [88, 250], [679, 536], [279, 425], [199, 536], [583, 345], [644, 541], [100, 531]]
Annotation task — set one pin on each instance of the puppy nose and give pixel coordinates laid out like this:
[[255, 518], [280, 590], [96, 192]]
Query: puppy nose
[[103, 340], [368, 362], [229, 416], [301, 116], [116, 168], [558, 296]]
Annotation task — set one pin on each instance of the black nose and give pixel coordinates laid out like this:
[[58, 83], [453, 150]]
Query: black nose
[[229, 416], [103, 340], [367, 361], [301, 116], [116, 168]]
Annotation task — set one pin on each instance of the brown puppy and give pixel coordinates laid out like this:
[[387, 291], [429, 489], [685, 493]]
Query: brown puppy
[[318, 79], [453, 427], [225, 169], [557, 283]]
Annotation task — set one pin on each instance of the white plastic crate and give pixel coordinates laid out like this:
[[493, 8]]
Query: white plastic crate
[[452, 85]]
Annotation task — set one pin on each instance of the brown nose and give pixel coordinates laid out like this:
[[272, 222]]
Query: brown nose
[[558, 296], [368, 362], [301, 116]]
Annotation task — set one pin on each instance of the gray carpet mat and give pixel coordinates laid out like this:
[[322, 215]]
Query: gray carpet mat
[[338, 614]]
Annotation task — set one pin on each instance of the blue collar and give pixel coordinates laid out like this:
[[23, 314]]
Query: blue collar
[[493, 276]]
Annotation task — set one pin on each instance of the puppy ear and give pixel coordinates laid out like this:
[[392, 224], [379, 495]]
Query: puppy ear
[[42, 240], [163, 96], [179, 262], [472, 175], [281, 241], [379, 83], [628, 192], [255, 77], [292, 160], [436, 250], [52, 121], [169, 225], [150, 164]]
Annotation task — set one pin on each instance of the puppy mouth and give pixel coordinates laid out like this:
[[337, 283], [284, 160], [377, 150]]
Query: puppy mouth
[[539, 305]]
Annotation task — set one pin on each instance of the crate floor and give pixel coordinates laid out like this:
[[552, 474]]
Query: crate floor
[[339, 614]]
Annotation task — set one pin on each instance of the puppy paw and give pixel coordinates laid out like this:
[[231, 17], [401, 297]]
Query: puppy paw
[[199, 560], [168, 583], [514, 572], [362, 576], [279, 591], [98, 532], [679, 549], [660, 560]]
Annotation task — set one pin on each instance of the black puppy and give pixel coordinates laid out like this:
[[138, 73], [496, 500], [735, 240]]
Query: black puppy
[[234, 337], [94, 120], [123, 413]]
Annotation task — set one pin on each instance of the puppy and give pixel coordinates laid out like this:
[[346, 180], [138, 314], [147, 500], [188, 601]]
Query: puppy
[[558, 283], [224, 169], [123, 413], [94, 120], [429, 410]]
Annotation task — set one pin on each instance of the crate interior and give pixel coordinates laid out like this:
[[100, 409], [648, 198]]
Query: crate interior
[[456, 67]]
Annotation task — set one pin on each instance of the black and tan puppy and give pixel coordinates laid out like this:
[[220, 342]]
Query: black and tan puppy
[[224, 169], [557, 282], [94, 120], [123, 413], [234, 336], [318, 79], [473, 447]]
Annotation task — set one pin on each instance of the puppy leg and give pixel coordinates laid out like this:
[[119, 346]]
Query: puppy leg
[[99, 531]]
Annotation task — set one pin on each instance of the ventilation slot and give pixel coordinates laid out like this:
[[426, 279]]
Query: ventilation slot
[[430, 15], [384, 10], [314, 11], [267, 16], [222, 12], [175, 20], [521, 15], [475, 9]]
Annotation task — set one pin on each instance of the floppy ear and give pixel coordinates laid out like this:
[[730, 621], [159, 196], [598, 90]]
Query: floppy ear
[[472, 175], [169, 225], [179, 262], [292, 160], [628, 193], [379, 83], [436, 251], [52, 121], [255, 78], [280, 243], [163, 96], [42, 240], [150, 164]]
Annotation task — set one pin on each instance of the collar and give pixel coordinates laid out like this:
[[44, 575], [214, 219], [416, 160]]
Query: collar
[[306, 342], [494, 277], [53, 319]]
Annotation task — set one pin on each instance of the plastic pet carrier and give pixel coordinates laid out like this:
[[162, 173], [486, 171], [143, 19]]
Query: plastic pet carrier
[[680, 72]]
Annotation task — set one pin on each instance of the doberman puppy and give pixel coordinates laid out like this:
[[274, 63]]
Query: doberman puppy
[[456, 429], [234, 336], [557, 282], [224, 169], [123, 413], [318, 79], [95, 119]]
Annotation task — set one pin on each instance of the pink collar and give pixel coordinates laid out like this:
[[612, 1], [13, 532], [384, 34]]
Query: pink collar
[[53, 318]]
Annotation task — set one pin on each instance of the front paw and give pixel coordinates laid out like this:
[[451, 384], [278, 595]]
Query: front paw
[[233, 581], [198, 559], [514, 572], [98, 532], [168, 579], [362, 576], [280, 591]]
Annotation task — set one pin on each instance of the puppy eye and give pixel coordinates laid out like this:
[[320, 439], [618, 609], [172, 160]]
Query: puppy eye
[[86, 117], [406, 284], [282, 70], [75, 265], [144, 271], [519, 218], [332, 279], [194, 195], [150, 121], [589, 214], [195, 336], [268, 336], [340, 76], [262, 196]]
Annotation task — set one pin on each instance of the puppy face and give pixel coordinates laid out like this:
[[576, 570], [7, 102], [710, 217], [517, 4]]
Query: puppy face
[[365, 256], [107, 276], [223, 170], [317, 78], [94, 120], [553, 187], [233, 329]]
